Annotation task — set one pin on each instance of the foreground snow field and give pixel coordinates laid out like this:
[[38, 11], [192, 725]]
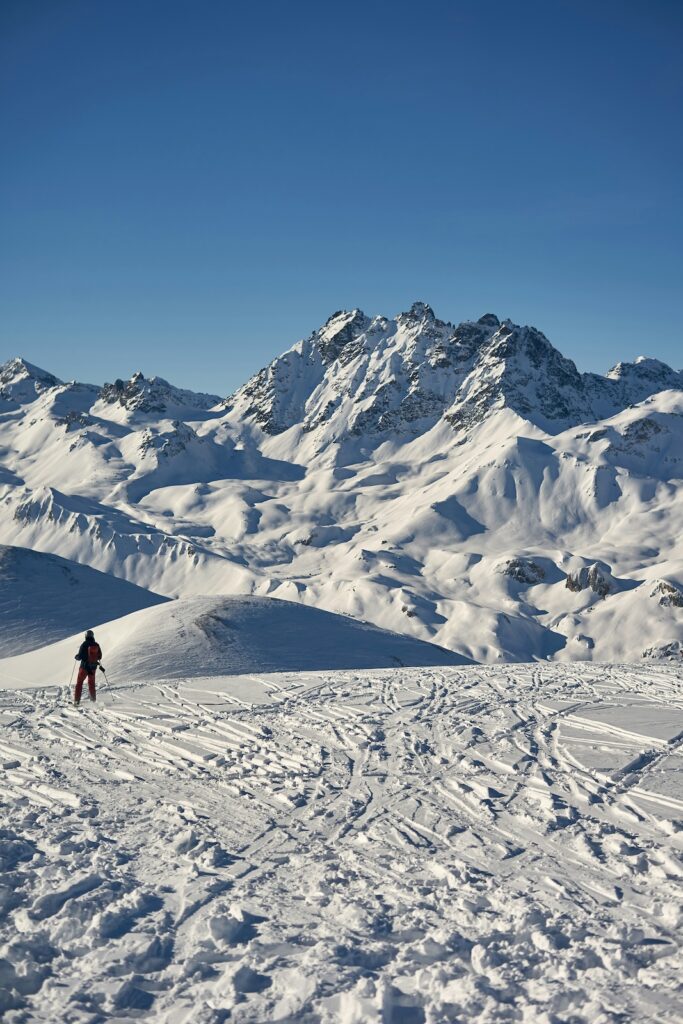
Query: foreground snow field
[[400, 845]]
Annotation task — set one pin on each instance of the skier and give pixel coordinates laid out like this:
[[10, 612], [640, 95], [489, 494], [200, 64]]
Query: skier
[[90, 656]]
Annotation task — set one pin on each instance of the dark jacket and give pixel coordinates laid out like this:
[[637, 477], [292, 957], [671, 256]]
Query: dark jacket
[[83, 657]]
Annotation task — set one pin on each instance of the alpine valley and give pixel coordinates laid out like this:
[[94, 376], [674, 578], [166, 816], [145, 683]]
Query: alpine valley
[[463, 485]]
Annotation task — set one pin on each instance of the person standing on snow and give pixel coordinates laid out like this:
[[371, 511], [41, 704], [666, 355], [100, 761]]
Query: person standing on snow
[[89, 655]]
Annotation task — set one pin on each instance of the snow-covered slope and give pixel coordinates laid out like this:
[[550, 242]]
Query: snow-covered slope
[[394, 470], [209, 636], [44, 598], [405, 845]]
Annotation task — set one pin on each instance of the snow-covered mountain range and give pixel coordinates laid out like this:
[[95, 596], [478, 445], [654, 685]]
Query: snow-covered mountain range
[[462, 484]]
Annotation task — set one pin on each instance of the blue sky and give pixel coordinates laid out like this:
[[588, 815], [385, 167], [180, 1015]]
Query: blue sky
[[188, 188]]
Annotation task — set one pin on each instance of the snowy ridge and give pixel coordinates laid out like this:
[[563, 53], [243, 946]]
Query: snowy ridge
[[442, 844], [43, 598], [216, 636], [385, 469]]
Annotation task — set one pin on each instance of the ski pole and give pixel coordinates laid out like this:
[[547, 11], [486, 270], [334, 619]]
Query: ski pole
[[108, 683], [73, 669]]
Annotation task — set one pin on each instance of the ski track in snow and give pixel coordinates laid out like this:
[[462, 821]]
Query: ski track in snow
[[406, 845]]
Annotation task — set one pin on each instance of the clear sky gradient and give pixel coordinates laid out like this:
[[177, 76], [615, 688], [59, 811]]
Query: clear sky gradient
[[189, 187]]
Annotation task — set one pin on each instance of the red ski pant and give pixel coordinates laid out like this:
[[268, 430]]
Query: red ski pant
[[80, 679]]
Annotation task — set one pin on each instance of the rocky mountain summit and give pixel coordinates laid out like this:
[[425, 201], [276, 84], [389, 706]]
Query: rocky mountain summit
[[21, 381], [154, 395], [374, 377]]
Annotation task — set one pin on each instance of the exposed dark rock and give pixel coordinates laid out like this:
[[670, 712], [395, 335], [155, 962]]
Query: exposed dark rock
[[590, 577], [669, 596], [72, 420], [333, 345], [523, 570], [672, 651], [153, 395]]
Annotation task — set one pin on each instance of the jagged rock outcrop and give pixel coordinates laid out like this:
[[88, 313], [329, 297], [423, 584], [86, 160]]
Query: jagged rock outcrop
[[167, 444], [672, 651], [74, 420], [523, 570], [591, 577], [154, 395], [667, 594]]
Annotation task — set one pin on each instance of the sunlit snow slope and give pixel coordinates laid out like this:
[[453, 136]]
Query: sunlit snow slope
[[463, 484]]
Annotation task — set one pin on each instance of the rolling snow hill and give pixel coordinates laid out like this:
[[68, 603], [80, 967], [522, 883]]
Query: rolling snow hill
[[210, 636], [464, 485], [44, 598]]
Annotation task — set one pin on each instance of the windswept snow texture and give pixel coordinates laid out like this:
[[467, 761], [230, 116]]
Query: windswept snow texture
[[406, 845], [43, 598], [449, 482], [213, 636]]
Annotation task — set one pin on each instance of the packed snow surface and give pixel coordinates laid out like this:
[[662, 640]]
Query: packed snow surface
[[438, 844]]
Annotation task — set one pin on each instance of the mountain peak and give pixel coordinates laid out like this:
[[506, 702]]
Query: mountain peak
[[362, 378], [20, 367], [418, 311], [339, 331], [21, 381]]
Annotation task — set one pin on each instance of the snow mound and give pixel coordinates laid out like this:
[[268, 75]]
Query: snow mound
[[215, 636], [43, 597]]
